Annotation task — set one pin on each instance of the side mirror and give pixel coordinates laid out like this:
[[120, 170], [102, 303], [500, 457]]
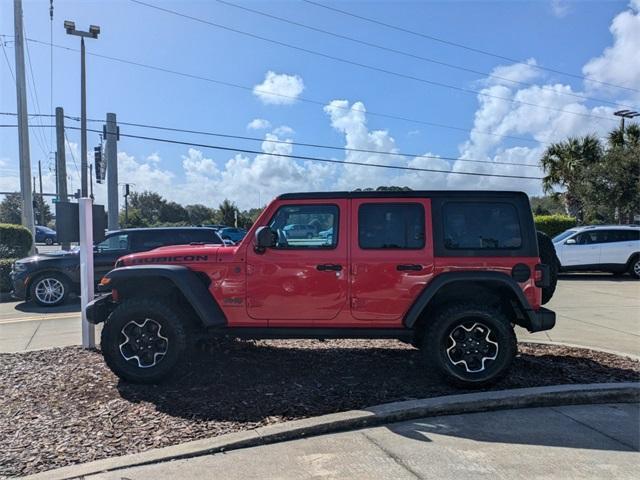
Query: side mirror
[[265, 238], [571, 241]]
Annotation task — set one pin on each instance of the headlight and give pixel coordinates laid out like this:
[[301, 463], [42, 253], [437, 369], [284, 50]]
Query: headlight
[[19, 267]]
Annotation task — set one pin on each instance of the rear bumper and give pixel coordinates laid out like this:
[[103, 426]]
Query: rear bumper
[[541, 320], [99, 309]]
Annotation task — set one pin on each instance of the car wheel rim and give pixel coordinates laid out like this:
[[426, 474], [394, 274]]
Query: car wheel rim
[[143, 343], [472, 347], [49, 291], [636, 268]]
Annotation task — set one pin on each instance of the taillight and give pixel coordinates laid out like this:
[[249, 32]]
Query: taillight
[[542, 275]]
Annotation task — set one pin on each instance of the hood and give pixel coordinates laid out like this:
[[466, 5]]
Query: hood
[[49, 256], [174, 255]]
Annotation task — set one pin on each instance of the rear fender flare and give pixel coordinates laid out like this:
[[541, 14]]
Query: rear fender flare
[[445, 279], [185, 280]]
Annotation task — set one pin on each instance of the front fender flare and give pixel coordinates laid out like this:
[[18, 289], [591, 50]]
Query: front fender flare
[[185, 280]]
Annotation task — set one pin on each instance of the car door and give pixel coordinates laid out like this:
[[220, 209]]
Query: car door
[[300, 281], [108, 251], [391, 257], [618, 246], [581, 249]]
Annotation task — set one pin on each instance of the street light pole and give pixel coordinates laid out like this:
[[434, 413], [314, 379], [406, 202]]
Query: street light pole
[[93, 32], [625, 114]]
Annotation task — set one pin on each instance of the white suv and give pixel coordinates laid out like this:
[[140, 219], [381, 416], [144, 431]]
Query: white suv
[[604, 248]]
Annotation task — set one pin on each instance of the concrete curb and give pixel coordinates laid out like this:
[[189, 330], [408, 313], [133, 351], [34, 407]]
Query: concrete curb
[[380, 414], [583, 347]]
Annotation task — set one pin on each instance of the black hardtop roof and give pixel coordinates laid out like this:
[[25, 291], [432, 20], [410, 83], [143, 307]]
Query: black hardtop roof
[[401, 194], [155, 229]]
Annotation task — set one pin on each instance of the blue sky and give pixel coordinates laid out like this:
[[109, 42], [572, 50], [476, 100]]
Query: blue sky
[[566, 36]]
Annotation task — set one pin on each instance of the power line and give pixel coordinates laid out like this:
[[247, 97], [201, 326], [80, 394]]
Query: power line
[[367, 66], [4, 50], [298, 157], [313, 159], [73, 157], [301, 99], [460, 45], [313, 145], [415, 56]]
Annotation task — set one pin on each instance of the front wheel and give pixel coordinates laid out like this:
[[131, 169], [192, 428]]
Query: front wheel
[[143, 340], [50, 290], [634, 268], [470, 345]]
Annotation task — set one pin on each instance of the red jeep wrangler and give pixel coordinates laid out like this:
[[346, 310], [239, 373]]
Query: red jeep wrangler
[[451, 272]]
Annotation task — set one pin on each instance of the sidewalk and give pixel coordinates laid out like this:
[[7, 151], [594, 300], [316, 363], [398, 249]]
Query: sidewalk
[[588, 441]]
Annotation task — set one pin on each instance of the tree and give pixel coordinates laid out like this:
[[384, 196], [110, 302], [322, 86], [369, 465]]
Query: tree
[[227, 212], [11, 209], [565, 164], [630, 136], [148, 204], [172, 212], [199, 214]]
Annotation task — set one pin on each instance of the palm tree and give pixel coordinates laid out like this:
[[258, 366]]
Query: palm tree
[[564, 164], [227, 211], [630, 136]]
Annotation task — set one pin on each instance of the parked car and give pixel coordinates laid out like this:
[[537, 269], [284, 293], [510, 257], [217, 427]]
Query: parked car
[[46, 235], [48, 278], [451, 272], [233, 234], [300, 231], [601, 248]]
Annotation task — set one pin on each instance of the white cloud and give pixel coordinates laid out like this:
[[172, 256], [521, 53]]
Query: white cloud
[[619, 64], [154, 157], [258, 124], [279, 88], [284, 130]]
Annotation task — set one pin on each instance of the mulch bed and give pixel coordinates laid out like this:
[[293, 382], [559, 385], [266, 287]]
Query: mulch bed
[[63, 406]]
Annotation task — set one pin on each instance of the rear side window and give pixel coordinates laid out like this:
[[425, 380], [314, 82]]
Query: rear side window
[[391, 225], [480, 226]]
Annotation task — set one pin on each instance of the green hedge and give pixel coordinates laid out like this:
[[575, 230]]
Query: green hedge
[[15, 241], [552, 225], [5, 268]]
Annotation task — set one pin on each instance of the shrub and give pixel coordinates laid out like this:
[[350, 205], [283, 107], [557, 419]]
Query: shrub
[[552, 225], [15, 241], [5, 268]]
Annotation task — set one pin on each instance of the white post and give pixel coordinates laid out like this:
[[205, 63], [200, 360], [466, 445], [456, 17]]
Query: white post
[[86, 269]]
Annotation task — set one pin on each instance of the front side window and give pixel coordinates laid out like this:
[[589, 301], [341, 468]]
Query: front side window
[[306, 226], [114, 243], [481, 226], [391, 225]]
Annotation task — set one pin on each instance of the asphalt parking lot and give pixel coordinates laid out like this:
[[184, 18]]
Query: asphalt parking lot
[[593, 310]]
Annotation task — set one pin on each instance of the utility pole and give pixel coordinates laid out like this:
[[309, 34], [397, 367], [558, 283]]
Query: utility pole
[[93, 32], [111, 136], [126, 205], [41, 204], [91, 180], [23, 124], [61, 163]]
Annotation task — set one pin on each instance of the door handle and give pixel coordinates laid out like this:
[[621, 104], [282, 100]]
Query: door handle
[[329, 267], [411, 267]]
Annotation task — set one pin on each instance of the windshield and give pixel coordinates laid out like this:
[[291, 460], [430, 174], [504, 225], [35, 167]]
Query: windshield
[[563, 235]]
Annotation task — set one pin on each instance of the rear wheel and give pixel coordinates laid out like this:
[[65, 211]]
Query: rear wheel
[[143, 340], [634, 267], [470, 345]]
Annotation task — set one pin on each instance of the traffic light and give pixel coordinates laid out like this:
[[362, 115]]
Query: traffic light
[[101, 167]]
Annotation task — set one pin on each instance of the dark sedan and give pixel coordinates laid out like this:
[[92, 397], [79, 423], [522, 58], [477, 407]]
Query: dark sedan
[[48, 278]]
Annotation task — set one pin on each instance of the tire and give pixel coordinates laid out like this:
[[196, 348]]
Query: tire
[[548, 257], [443, 346], [166, 337], [49, 289], [48, 241], [634, 267]]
